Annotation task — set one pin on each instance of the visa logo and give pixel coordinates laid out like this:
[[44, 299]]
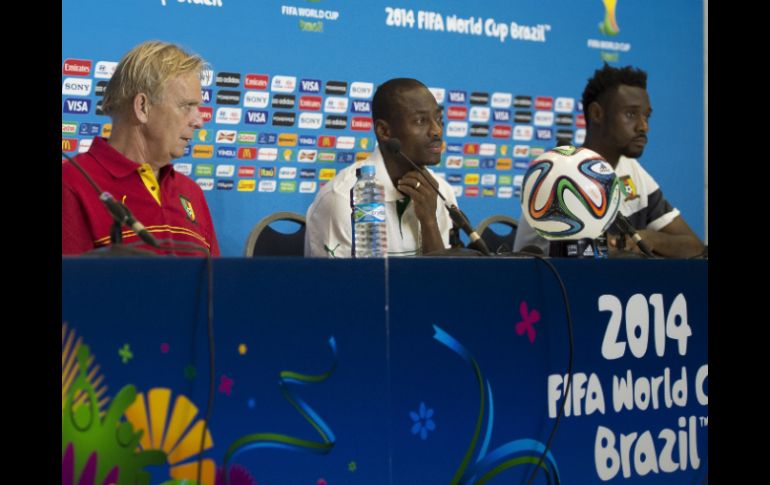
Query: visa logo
[[456, 96], [77, 106], [361, 107], [206, 95], [502, 115], [544, 133], [90, 129], [256, 117], [310, 86], [226, 152]]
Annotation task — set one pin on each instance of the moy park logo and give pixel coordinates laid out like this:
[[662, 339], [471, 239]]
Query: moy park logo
[[609, 50]]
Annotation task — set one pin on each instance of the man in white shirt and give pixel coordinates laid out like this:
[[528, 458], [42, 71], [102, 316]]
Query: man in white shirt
[[406, 110], [617, 111]]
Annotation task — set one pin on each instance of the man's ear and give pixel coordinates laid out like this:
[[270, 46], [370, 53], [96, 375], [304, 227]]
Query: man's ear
[[595, 113], [382, 129], [142, 107]]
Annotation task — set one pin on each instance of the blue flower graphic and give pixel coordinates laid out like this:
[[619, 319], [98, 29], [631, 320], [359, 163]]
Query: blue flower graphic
[[422, 422]]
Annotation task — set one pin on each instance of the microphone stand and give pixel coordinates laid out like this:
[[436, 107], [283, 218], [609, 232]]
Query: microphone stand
[[116, 247], [458, 218]]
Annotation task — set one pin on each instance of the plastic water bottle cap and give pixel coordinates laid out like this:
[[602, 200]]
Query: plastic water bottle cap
[[367, 170]]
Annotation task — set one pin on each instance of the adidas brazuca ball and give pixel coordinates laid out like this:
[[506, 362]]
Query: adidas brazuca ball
[[570, 193]]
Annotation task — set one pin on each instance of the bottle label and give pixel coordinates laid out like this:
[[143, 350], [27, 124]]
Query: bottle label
[[374, 212]]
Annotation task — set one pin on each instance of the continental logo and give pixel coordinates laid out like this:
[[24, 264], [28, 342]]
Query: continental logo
[[76, 67], [504, 164], [336, 87], [609, 26], [247, 153], [267, 154], [69, 127], [327, 173], [248, 185], [479, 98], [287, 186], [246, 171], [287, 139], [267, 185], [228, 79], [69, 144], [204, 170], [228, 97], [284, 118], [203, 151], [256, 81]]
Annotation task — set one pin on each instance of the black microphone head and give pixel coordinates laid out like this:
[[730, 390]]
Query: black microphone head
[[393, 145]]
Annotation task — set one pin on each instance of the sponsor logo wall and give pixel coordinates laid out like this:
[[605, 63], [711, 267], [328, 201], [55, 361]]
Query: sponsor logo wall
[[314, 118]]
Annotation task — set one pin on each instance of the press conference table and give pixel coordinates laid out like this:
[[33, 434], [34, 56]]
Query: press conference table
[[407, 371]]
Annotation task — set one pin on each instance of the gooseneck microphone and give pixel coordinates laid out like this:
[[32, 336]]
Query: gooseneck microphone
[[461, 220], [625, 227], [119, 212]]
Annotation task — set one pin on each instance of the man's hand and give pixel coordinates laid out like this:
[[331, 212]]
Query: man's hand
[[417, 185]]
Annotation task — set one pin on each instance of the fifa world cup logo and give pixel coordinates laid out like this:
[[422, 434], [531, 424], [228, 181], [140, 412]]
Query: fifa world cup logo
[[609, 26]]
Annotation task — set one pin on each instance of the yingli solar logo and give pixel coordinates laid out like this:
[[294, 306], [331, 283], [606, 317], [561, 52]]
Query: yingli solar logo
[[76, 67]]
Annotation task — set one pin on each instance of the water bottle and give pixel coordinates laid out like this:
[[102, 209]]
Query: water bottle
[[367, 199]]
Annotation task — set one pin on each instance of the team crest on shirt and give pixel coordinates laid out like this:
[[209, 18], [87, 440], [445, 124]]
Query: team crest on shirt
[[188, 209], [628, 188]]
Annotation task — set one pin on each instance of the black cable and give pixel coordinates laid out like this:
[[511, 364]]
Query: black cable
[[569, 365]]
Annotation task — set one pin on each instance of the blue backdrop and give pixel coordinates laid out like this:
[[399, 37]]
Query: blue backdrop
[[270, 47]]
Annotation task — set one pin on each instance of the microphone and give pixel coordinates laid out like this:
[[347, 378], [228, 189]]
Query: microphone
[[625, 227], [458, 217], [119, 212]]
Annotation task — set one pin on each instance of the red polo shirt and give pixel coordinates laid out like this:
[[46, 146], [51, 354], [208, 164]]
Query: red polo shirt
[[181, 215]]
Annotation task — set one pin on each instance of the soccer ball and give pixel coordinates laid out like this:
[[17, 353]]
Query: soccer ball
[[570, 193]]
